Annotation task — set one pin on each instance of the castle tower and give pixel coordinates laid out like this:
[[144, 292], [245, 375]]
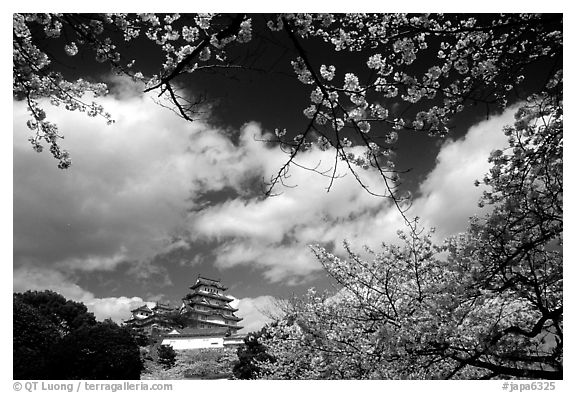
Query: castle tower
[[207, 307]]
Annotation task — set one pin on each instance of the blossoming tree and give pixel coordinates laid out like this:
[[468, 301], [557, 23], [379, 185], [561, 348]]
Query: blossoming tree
[[485, 304]]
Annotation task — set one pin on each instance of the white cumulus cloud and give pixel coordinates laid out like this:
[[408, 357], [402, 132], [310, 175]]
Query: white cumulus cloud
[[272, 234], [256, 312], [133, 191]]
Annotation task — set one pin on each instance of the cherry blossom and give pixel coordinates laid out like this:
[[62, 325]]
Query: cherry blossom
[[487, 303]]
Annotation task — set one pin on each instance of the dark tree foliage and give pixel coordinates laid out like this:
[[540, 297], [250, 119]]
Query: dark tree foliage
[[66, 314], [34, 338], [248, 354], [140, 337], [166, 356], [55, 338], [103, 351]]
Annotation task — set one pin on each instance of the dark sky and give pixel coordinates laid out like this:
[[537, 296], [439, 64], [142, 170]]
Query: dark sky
[[268, 90]]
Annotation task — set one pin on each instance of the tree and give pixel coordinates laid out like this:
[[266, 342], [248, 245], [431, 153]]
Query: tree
[[486, 304], [66, 314], [55, 338], [166, 356], [409, 72], [41, 320], [103, 351], [34, 337], [140, 337], [250, 354]]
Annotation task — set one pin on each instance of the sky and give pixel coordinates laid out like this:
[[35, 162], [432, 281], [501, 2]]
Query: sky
[[153, 201]]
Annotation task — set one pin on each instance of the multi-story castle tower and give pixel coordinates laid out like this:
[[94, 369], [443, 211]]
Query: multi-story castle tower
[[205, 319], [208, 307]]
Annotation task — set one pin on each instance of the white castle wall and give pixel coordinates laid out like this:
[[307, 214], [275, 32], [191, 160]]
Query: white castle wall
[[181, 343]]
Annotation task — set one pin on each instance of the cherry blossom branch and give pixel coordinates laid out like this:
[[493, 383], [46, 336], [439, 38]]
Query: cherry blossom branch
[[230, 30]]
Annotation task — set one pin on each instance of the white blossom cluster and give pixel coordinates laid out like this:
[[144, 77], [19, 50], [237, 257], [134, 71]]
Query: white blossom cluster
[[33, 80]]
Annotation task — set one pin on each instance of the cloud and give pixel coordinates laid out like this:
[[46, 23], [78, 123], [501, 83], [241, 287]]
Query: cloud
[[94, 262], [39, 279], [448, 197], [134, 189], [116, 308], [290, 264], [272, 234], [141, 188], [255, 312], [128, 191], [122, 88]]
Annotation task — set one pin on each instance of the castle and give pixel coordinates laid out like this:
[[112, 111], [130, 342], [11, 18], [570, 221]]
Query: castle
[[204, 320], [152, 319]]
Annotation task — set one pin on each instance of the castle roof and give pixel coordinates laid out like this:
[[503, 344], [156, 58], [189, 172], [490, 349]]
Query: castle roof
[[205, 302], [189, 306], [210, 295], [213, 312], [147, 321], [208, 281], [142, 308]]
